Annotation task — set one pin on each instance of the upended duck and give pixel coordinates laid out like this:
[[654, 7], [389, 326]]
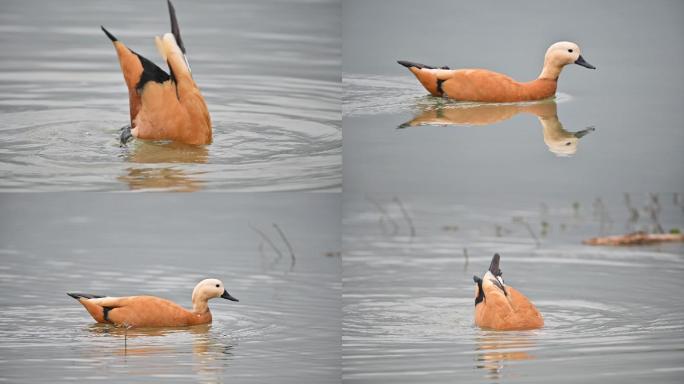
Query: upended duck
[[163, 106], [481, 85], [501, 307], [151, 311]]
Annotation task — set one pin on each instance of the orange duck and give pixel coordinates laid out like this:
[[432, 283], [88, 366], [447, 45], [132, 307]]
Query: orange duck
[[163, 106], [482, 85], [150, 311], [501, 307]]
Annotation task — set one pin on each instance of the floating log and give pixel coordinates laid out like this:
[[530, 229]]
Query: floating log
[[636, 238]]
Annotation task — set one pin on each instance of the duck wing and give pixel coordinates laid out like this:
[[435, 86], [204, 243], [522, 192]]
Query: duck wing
[[138, 71]]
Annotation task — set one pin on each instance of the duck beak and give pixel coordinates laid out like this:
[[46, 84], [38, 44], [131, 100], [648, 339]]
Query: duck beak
[[584, 132], [580, 61], [227, 295]]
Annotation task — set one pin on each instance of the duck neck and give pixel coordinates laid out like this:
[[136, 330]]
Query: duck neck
[[550, 71], [552, 128], [200, 305]]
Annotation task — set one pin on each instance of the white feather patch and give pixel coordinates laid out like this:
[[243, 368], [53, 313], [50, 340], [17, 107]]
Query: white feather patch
[[160, 47]]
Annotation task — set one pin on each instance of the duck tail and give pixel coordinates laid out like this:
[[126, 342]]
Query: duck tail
[[410, 64], [79, 296], [111, 37]]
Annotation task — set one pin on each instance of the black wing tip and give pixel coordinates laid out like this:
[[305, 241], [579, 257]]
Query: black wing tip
[[406, 64], [172, 9], [494, 266], [480, 293], [409, 64], [111, 37], [175, 29], [83, 295]]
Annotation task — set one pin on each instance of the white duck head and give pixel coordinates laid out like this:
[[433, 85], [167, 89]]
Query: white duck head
[[208, 289], [559, 55]]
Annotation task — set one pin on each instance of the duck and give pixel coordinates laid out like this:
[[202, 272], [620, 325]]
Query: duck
[[151, 311], [559, 141], [163, 106], [502, 307], [481, 85]]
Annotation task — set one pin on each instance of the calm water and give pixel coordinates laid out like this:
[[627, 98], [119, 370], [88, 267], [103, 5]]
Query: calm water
[[612, 314], [269, 70], [286, 326], [633, 100]]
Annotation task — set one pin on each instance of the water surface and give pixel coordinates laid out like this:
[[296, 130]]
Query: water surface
[[286, 327], [276, 121], [611, 314]]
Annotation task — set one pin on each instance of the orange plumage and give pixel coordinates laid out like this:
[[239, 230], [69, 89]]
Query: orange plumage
[[501, 307], [482, 85], [150, 311], [559, 141], [163, 106]]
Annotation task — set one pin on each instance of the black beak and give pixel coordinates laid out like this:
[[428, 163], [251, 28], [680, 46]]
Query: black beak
[[227, 295], [584, 132], [580, 61]]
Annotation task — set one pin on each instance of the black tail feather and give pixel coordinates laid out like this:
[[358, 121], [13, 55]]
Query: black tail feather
[[111, 37], [494, 266], [83, 295], [409, 64], [175, 30]]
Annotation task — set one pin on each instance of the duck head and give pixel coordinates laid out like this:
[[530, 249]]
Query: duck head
[[559, 55], [208, 289], [561, 142]]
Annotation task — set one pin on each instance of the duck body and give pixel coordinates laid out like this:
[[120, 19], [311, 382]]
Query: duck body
[[140, 311], [502, 307], [481, 85], [151, 311], [163, 106]]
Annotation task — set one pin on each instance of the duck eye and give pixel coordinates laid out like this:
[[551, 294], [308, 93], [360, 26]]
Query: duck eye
[[218, 285], [570, 50]]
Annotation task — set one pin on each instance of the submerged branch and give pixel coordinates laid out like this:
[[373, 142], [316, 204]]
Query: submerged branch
[[267, 240], [383, 215], [406, 216], [522, 221], [287, 243]]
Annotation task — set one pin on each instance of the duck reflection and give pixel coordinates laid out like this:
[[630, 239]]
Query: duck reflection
[[209, 354], [557, 139], [494, 349], [167, 178]]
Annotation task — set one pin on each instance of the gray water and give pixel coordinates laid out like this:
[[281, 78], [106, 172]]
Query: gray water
[[286, 326], [269, 71], [373, 284], [612, 315], [633, 99]]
